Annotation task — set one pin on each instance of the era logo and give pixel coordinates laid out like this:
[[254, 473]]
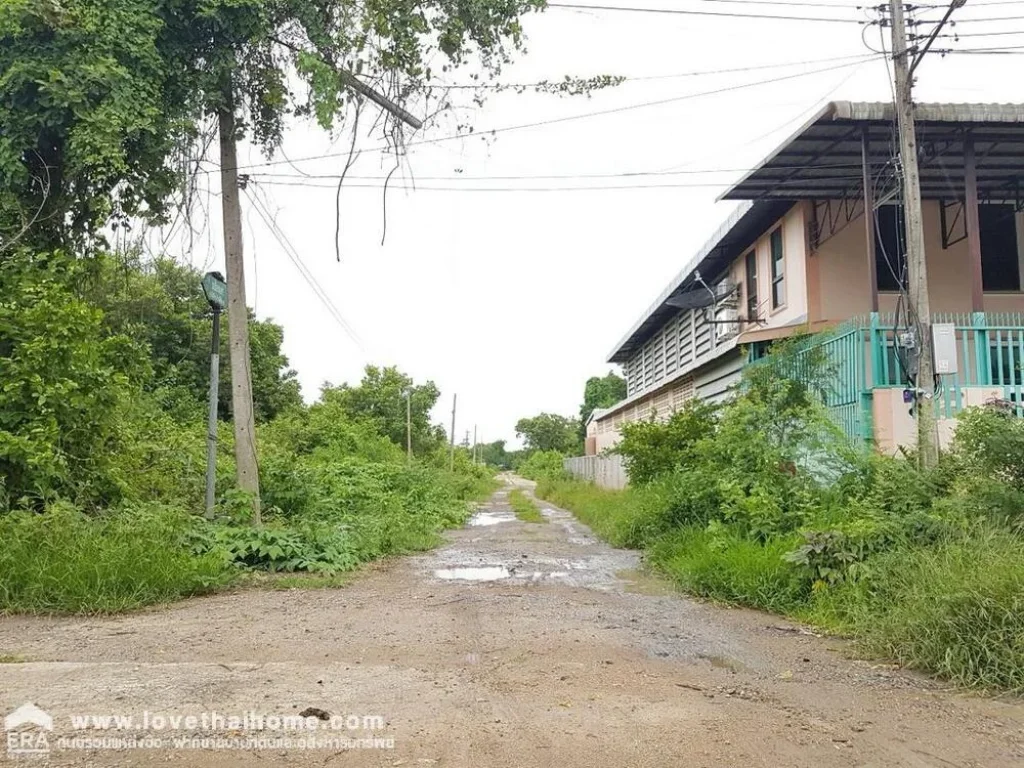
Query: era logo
[[26, 728], [27, 743]]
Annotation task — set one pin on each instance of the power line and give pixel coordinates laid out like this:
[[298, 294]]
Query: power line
[[648, 78], [307, 275], [545, 177], [570, 118], [600, 188], [958, 35], [1007, 49], [990, 20], [688, 12]]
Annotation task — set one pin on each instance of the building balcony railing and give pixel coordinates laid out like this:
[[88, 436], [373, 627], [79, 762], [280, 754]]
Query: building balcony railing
[[866, 354]]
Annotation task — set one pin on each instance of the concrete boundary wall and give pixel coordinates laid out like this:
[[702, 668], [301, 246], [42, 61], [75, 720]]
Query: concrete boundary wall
[[603, 471]]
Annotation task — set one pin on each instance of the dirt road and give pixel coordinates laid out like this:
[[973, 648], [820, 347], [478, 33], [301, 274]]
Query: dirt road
[[516, 644]]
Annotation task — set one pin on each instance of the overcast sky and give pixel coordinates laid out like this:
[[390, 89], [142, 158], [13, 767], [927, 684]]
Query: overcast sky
[[513, 299]]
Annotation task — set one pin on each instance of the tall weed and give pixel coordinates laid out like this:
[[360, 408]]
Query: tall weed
[[61, 561]]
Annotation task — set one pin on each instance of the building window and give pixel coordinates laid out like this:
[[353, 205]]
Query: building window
[[1000, 260], [890, 248], [751, 260], [778, 270]]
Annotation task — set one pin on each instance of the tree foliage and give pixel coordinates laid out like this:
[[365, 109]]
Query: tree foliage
[[101, 354], [98, 97], [161, 305], [494, 454], [380, 399], [60, 386], [600, 392], [549, 432]]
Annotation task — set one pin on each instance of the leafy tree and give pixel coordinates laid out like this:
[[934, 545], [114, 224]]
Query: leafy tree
[[61, 390], [98, 95], [549, 432], [494, 454], [600, 392], [161, 304], [380, 399], [85, 101]]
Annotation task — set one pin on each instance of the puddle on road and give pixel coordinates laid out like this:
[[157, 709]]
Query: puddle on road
[[642, 583], [725, 662], [496, 573], [474, 573], [480, 519]]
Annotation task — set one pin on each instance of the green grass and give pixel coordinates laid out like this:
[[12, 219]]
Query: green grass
[[299, 580], [64, 562], [954, 610], [618, 517], [730, 569], [11, 658], [525, 508]]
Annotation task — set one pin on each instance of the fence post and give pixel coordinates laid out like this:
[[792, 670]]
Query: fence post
[[877, 350], [981, 351], [867, 416]]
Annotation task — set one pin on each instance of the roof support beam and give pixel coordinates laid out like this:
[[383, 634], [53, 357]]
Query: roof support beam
[[973, 224], [869, 217]]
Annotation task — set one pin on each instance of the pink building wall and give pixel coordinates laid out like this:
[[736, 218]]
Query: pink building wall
[[842, 277]]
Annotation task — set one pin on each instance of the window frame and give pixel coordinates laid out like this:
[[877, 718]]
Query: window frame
[[750, 284], [1006, 215], [777, 269]]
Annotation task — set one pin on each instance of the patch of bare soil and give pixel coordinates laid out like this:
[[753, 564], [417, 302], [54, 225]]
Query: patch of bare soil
[[514, 645]]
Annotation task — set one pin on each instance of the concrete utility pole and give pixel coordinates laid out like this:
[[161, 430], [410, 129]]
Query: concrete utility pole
[[917, 270], [246, 471], [474, 443], [451, 448]]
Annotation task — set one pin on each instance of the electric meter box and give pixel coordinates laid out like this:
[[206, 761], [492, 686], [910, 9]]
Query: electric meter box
[[944, 344]]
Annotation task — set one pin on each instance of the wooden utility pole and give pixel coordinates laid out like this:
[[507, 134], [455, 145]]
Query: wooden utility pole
[[246, 470], [451, 448], [917, 270]]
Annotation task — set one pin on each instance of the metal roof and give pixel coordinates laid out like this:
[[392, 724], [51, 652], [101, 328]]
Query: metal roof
[[823, 159], [742, 228]]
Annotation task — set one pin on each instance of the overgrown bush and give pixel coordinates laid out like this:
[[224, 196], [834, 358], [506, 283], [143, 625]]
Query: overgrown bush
[[652, 449], [955, 609], [103, 449], [764, 502], [543, 465], [61, 389]]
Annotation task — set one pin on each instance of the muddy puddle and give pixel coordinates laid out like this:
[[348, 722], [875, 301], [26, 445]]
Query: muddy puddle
[[486, 518], [640, 582], [473, 573]]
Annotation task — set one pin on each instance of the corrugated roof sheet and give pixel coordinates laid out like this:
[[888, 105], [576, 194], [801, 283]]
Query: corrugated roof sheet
[[823, 159]]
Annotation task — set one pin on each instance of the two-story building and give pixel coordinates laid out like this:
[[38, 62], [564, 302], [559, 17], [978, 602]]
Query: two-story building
[[799, 253]]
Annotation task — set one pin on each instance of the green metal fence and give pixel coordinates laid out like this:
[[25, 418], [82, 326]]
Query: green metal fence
[[990, 353], [862, 355], [844, 391]]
